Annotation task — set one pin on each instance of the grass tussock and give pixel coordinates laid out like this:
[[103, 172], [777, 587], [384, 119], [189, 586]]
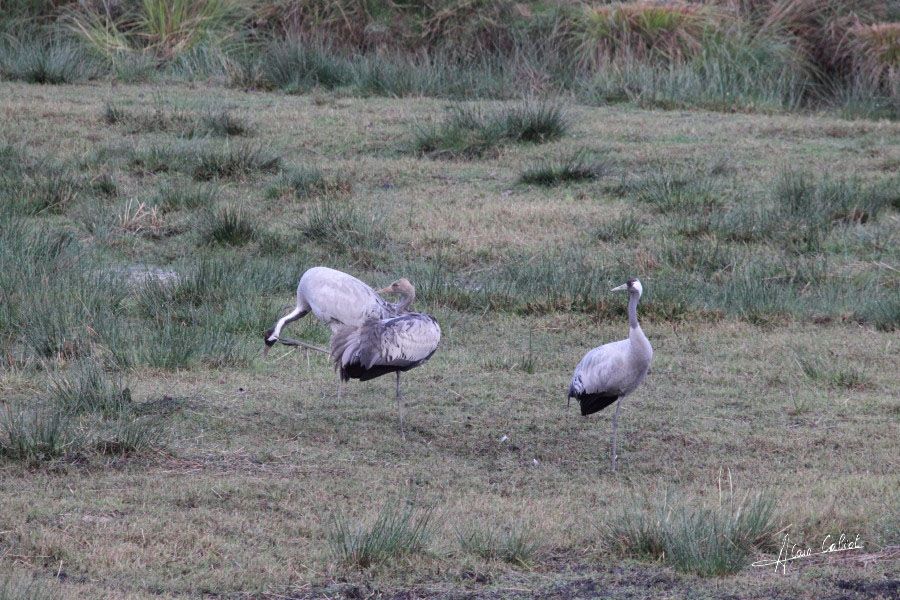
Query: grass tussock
[[627, 227], [234, 161], [37, 187], [309, 182], [667, 190], [162, 119], [205, 161], [578, 166], [472, 133], [86, 387], [343, 227], [831, 371], [171, 197], [157, 27], [516, 544], [138, 218], [34, 435], [693, 538], [646, 30], [228, 226], [400, 530], [36, 57], [298, 67]]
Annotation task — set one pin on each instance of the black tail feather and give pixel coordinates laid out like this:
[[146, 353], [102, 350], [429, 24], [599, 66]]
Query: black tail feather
[[591, 403], [357, 371]]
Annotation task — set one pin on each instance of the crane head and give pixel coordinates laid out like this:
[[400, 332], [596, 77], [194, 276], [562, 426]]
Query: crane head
[[401, 286], [267, 338], [633, 285]]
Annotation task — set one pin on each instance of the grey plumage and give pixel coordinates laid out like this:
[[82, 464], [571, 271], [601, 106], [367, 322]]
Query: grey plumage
[[610, 372], [381, 346], [338, 299]]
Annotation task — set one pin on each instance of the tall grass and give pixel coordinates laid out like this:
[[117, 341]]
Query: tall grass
[[297, 67], [767, 55], [39, 57], [399, 530], [228, 225], [164, 28], [515, 543], [707, 540], [34, 435], [86, 387], [727, 74], [55, 302], [344, 227]]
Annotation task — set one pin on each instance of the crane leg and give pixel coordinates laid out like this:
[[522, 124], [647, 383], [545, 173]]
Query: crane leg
[[340, 388], [400, 408], [615, 433]]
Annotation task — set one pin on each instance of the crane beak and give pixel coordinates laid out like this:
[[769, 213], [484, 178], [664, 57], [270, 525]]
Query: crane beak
[[386, 290], [621, 288]]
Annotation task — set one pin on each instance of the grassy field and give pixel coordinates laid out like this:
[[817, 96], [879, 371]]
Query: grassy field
[[768, 250]]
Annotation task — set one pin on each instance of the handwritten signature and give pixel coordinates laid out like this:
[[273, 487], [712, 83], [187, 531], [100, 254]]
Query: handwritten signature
[[790, 552]]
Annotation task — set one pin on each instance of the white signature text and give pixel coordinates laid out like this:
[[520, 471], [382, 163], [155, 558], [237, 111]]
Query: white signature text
[[790, 552]]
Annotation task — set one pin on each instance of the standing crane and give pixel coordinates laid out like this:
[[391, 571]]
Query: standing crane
[[338, 300], [382, 346], [612, 371]]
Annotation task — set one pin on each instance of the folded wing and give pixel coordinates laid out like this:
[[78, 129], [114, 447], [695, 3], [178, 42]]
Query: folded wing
[[382, 346]]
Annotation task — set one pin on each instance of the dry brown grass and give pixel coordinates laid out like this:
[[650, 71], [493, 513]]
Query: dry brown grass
[[646, 31], [875, 52]]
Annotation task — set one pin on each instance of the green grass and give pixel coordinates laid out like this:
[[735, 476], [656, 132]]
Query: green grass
[[515, 544], [85, 387], [296, 67], [579, 166], [174, 197], [344, 227], [627, 227], [666, 190], [34, 435], [309, 182], [204, 160], [471, 133], [232, 161], [23, 588], [162, 119], [228, 226], [705, 540], [399, 530], [831, 372], [35, 58]]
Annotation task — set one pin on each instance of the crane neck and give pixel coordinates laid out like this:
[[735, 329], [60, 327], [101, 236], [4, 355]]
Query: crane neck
[[632, 311]]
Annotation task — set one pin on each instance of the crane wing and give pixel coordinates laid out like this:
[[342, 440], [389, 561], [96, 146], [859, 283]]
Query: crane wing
[[337, 298], [600, 377], [385, 345]]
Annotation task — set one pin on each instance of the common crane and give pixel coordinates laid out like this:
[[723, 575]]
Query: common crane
[[382, 346], [612, 371]]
